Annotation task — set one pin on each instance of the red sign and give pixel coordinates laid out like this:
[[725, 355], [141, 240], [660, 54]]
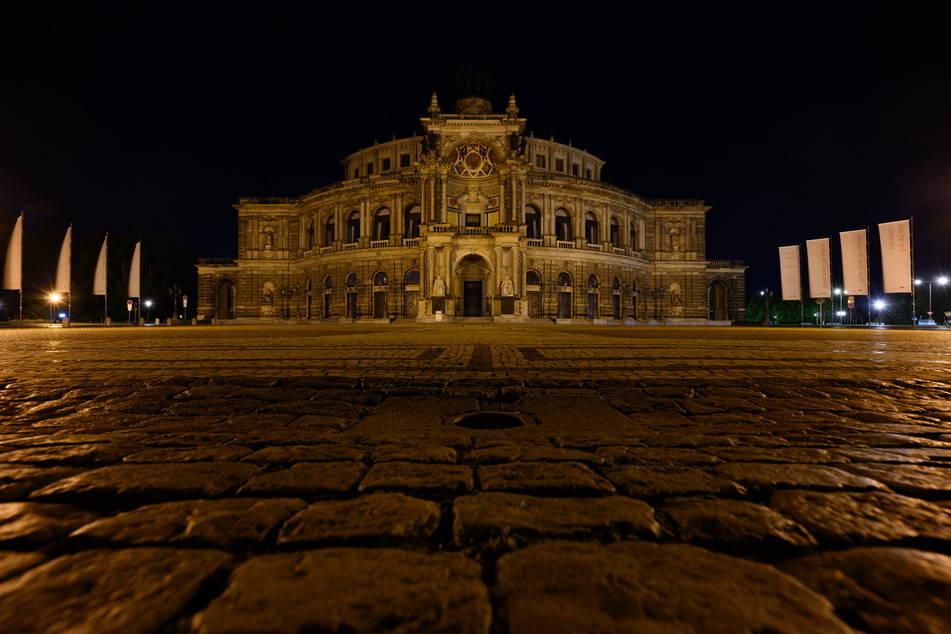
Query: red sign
[[128, 305], [851, 301]]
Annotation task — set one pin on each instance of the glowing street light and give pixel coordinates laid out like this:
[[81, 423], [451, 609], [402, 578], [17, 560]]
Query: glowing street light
[[54, 300], [148, 310], [880, 306], [942, 281]]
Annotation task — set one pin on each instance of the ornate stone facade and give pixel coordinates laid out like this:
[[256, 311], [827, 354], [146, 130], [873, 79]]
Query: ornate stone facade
[[473, 219]]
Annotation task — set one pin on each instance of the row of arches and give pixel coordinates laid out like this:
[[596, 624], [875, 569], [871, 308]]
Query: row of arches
[[380, 228], [564, 228]]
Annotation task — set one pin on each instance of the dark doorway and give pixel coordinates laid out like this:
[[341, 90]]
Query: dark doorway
[[379, 305], [564, 305], [472, 299]]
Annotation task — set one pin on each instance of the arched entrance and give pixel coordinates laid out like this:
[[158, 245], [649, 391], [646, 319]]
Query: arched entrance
[[472, 275], [224, 301], [718, 307]]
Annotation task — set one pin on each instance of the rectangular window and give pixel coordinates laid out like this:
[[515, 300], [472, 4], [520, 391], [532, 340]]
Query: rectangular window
[[356, 172], [472, 220], [404, 160], [369, 169], [559, 165], [574, 169], [540, 162], [587, 174], [386, 165]]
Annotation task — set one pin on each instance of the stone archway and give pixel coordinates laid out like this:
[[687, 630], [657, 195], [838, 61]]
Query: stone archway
[[718, 301], [224, 300], [472, 278]]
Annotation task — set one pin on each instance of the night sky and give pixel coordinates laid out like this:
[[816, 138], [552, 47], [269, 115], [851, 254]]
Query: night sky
[[792, 120]]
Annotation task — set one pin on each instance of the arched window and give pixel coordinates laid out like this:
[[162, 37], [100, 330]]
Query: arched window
[[381, 224], [328, 283], [562, 225], [353, 226], [352, 280], [616, 284], [615, 233], [310, 240], [591, 228], [532, 225], [564, 279], [379, 279], [413, 220], [593, 282], [329, 231], [412, 278], [532, 278], [635, 237]]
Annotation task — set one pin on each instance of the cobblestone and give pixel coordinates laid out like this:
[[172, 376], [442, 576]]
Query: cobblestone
[[311, 478]]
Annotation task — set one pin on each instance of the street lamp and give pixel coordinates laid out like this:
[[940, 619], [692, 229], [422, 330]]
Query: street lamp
[[148, 310], [879, 306], [54, 299], [942, 281]]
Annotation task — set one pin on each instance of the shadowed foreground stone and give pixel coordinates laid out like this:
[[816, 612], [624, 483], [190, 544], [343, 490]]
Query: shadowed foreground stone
[[650, 588], [374, 518], [34, 523], [544, 478], [886, 590], [735, 524], [503, 516], [863, 518], [143, 483], [307, 480], [229, 524], [122, 591], [351, 590]]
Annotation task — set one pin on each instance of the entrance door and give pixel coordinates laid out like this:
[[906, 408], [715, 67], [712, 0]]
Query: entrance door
[[592, 305], [472, 299], [412, 304], [534, 304], [564, 305], [351, 305], [379, 304]]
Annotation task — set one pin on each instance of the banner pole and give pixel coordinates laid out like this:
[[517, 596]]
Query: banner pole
[[911, 254]]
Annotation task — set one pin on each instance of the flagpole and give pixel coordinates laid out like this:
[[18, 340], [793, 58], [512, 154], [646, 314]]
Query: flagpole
[[868, 270], [911, 255]]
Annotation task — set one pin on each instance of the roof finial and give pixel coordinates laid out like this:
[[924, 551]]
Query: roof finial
[[434, 106], [512, 110]]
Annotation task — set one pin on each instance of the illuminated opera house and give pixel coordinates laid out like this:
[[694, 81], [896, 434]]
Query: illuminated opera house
[[472, 219]]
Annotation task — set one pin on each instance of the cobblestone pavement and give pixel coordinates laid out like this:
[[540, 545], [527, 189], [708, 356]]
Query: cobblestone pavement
[[474, 478]]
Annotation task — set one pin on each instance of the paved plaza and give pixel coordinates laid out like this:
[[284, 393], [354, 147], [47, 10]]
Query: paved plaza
[[474, 477]]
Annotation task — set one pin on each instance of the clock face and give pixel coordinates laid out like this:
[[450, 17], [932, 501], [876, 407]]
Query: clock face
[[473, 159]]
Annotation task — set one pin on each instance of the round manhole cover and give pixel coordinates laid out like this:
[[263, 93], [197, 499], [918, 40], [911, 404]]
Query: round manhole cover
[[491, 420]]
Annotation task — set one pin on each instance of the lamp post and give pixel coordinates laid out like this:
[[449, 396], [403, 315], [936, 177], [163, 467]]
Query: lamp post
[[879, 306], [148, 310], [942, 281], [54, 299], [765, 295]]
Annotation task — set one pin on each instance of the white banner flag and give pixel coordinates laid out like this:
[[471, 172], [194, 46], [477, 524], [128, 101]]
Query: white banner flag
[[820, 268], [13, 268], [896, 256], [135, 271], [63, 270], [855, 261], [99, 277], [789, 272]]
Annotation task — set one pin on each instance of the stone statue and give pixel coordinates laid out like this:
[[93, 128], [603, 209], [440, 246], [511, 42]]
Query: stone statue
[[439, 287], [508, 287], [675, 240], [675, 298], [268, 296], [268, 240]]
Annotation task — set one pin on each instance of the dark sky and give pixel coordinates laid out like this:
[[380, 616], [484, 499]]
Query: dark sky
[[793, 120]]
